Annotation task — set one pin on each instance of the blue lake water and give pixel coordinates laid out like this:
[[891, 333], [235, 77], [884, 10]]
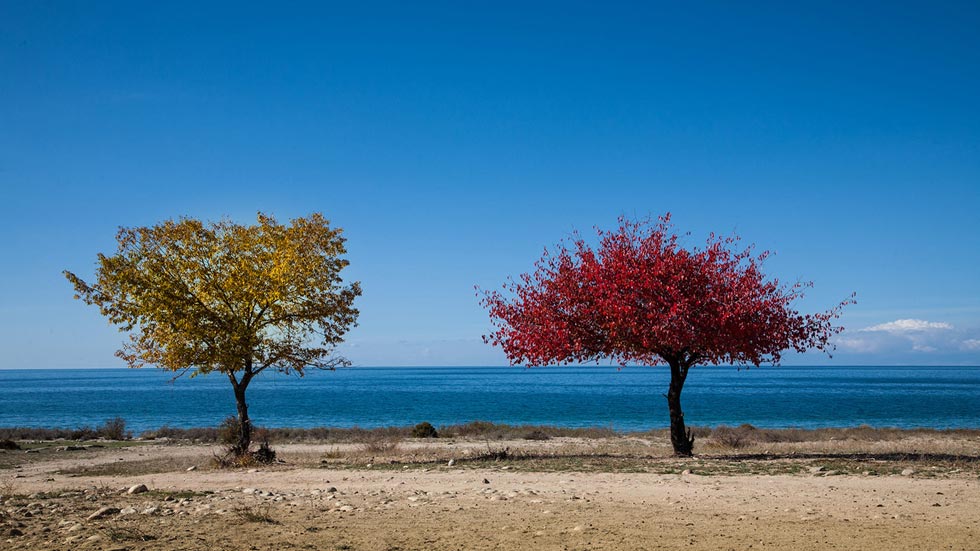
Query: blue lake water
[[626, 399]]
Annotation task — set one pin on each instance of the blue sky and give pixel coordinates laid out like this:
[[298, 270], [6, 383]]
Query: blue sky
[[453, 143]]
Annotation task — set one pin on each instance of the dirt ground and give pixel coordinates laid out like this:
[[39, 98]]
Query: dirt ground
[[331, 498]]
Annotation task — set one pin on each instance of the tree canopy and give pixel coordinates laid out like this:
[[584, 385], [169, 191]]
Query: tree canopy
[[641, 297]]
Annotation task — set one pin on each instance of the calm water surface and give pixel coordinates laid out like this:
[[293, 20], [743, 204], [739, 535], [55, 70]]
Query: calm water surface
[[627, 399]]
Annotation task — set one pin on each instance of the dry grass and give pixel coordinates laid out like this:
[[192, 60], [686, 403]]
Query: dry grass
[[111, 429], [919, 445], [722, 450], [744, 448], [498, 431], [381, 444], [749, 440], [483, 430], [256, 514], [611, 458], [474, 429], [135, 467]]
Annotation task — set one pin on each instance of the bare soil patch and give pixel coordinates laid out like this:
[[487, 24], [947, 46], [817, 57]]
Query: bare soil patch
[[624, 492]]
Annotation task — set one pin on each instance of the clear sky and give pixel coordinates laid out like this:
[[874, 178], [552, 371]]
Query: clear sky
[[453, 141]]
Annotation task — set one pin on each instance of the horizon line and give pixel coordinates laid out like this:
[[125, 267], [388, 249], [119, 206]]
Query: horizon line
[[508, 366]]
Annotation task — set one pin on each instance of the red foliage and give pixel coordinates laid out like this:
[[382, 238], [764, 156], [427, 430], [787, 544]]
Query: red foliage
[[640, 297]]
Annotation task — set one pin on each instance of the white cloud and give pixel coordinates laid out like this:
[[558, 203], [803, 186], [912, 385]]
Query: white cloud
[[911, 340], [971, 344], [907, 325]]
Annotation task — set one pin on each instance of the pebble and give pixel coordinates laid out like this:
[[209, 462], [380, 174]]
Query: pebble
[[192, 468], [137, 489], [103, 512], [908, 472], [128, 511]]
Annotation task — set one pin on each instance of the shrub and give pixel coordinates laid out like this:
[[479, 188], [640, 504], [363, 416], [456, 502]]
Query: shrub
[[380, 443], [424, 430], [114, 429], [492, 454], [83, 433], [785, 435], [9, 445], [698, 432], [228, 431], [537, 435], [264, 454], [735, 438], [476, 428]]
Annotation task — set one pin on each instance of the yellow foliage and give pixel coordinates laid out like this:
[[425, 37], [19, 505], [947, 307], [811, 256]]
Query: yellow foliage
[[227, 297]]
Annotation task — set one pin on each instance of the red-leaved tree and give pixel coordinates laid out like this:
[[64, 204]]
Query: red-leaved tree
[[642, 298]]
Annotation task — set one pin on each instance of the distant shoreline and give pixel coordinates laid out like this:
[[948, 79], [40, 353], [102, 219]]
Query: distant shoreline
[[115, 430]]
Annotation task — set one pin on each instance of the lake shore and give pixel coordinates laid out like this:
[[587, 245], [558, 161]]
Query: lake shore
[[911, 490]]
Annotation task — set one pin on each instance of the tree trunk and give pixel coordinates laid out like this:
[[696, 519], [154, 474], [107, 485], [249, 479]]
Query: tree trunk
[[680, 436], [244, 424]]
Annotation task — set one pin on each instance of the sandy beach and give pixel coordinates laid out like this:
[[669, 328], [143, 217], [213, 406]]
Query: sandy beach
[[560, 494]]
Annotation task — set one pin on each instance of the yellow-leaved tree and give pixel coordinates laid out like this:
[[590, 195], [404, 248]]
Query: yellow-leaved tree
[[228, 298]]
